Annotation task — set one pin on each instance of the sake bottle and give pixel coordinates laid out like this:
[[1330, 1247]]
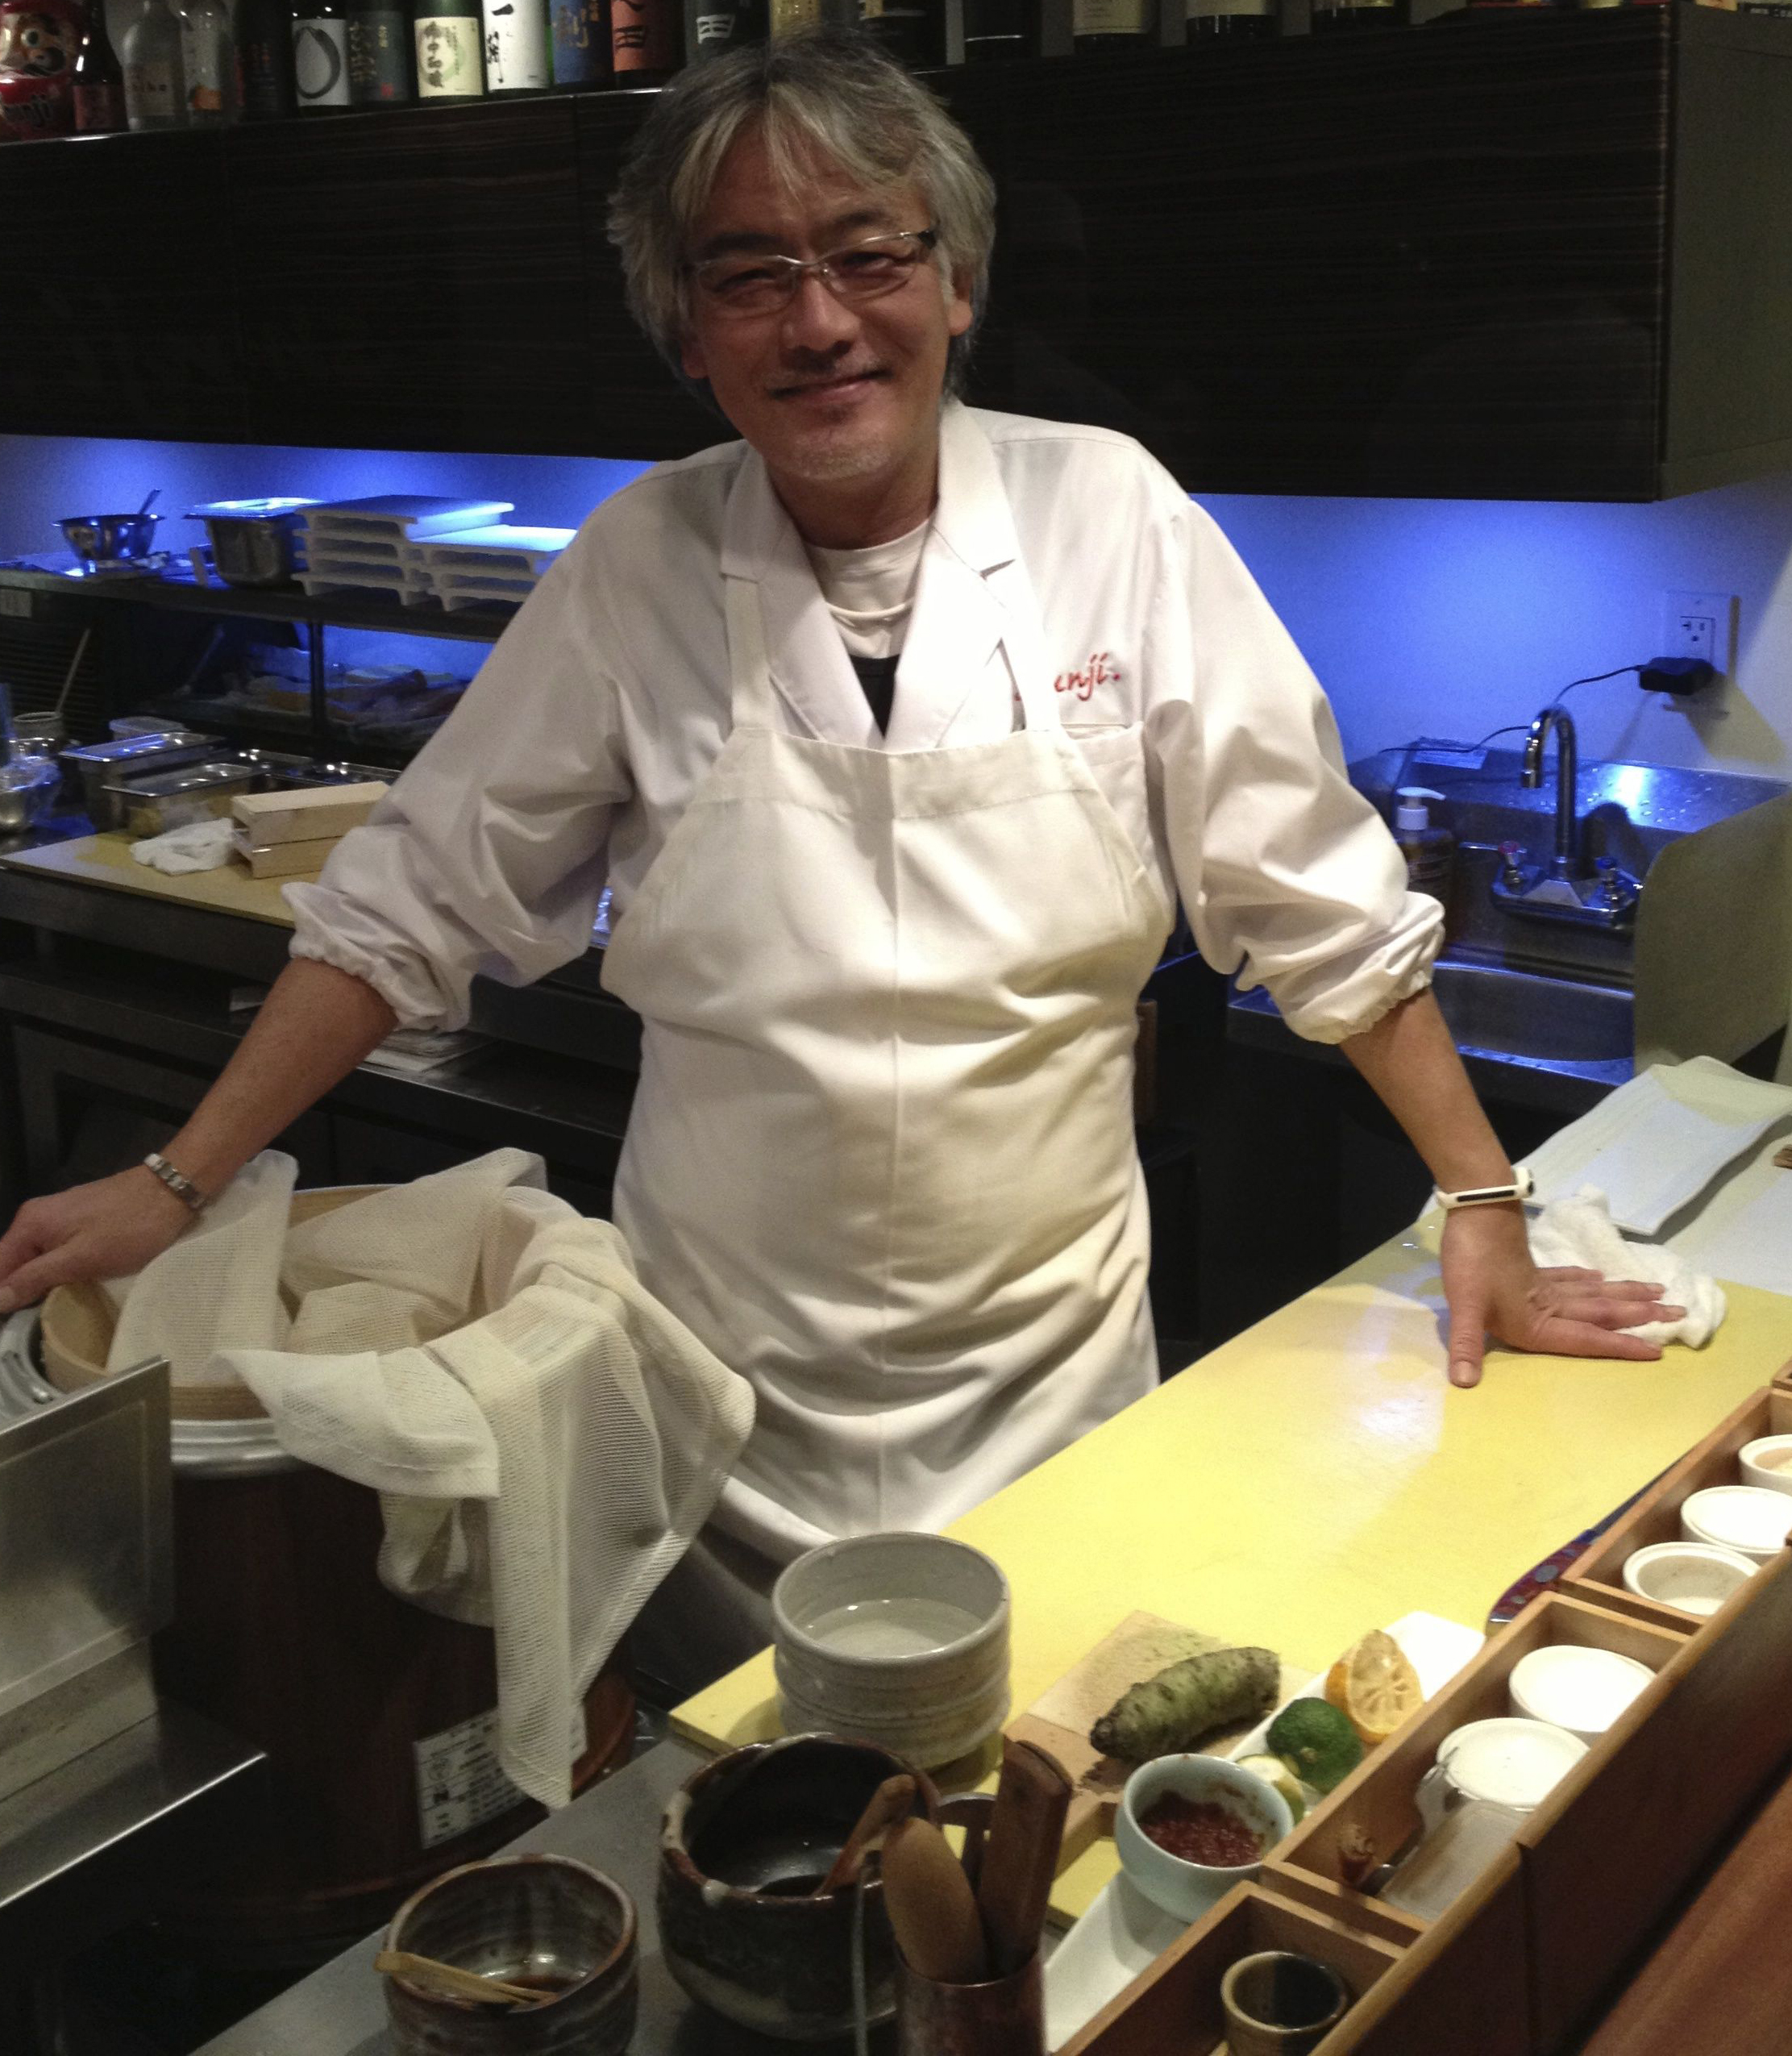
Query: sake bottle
[[517, 52], [445, 35], [154, 74], [320, 56], [379, 54]]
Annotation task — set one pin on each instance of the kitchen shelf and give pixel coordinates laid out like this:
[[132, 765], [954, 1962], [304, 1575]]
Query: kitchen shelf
[[1546, 257], [271, 603]]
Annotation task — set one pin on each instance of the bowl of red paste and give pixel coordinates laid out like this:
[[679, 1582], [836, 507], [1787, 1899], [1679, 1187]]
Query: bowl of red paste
[[1190, 1827]]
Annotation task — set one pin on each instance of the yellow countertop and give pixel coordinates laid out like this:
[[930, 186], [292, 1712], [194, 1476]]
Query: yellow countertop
[[1318, 1476]]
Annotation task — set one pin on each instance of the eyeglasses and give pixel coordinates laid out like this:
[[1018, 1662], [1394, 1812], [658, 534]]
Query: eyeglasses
[[862, 271]]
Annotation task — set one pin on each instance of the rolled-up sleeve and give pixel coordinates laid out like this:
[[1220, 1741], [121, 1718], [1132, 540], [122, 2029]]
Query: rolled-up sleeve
[[488, 853], [1289, 876]]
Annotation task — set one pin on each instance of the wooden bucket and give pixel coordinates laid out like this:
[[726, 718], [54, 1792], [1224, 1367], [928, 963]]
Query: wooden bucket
[[377, 1718]]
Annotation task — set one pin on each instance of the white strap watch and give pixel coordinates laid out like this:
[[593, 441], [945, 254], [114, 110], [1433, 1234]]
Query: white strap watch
[[1522, 1186]]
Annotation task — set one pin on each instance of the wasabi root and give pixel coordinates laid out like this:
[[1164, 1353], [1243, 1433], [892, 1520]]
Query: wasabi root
[[1173, 1710]]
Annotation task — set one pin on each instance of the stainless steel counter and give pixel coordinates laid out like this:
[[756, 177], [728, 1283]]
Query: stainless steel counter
[[339, 2011]]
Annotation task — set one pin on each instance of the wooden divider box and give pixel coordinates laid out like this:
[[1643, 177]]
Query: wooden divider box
[[1377, 1799], [1598, 1574], [1462, 1988], [1614, 1846], [1172, 2009]]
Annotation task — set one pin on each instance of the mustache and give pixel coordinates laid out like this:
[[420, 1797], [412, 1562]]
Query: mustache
[[820, 382]]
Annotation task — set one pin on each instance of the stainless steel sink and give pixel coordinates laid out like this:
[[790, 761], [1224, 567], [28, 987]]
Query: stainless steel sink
[[1529, 1024], [1518, 1014]]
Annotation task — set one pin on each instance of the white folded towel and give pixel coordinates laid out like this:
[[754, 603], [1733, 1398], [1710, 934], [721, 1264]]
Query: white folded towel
[[198, 846], [1580, 1231]]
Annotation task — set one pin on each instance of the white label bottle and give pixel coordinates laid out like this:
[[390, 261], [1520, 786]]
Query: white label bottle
[[518, 51], [320, 56], [155, 77]]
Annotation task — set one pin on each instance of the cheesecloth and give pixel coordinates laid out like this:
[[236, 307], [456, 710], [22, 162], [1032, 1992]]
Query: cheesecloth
[[545, 1438]]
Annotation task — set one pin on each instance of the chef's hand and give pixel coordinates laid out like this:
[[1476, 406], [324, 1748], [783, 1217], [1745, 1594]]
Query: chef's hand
[[1492, 1287], [108, 1230]]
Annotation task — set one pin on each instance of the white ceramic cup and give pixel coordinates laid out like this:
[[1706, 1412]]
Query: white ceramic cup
[[901, 1639], [1749, 1519], [1510, 1762], [1573, 1686], [1767, 1462], [1695, 1577], [1182, 1889]]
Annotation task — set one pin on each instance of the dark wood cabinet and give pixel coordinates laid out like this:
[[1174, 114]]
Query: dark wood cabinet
[[87, 1109], [1543, 257], [120, 299], [412, 280]]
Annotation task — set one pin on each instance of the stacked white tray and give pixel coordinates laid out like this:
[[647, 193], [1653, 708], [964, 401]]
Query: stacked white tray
[[360, 544], [472, 567]]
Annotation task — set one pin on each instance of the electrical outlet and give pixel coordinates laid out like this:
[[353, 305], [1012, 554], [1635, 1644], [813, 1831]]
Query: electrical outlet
[[1700, 624]]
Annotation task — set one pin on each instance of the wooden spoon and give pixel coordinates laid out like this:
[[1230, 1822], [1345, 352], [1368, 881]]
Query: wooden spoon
[[449, 1981], [931, 1905], [889, 1803]]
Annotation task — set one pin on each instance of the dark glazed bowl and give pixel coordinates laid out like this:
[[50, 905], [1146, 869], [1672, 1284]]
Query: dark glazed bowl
[[110, 539], [744, 1843], [542, 1920]]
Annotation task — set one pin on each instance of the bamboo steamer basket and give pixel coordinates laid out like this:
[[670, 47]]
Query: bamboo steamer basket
[[369, 1706], [77, 1331]]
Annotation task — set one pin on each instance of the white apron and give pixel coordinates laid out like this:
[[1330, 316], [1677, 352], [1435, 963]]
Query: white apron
[[881, 1159]]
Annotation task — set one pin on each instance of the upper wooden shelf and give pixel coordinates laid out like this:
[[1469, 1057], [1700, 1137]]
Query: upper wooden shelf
[[1546, 256]]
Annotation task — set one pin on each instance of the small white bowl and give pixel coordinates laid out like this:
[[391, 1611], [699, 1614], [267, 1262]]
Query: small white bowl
[[1767, 1462], [1583, 1690], [900, 1639], [1182, 1889], [1746, 1519], [1513, 1763], [1697, 1577]]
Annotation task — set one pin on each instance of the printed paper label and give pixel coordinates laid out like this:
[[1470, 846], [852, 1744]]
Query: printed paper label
[[460, 1784]]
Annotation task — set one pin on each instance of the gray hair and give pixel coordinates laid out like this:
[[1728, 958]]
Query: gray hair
[[829, 90]]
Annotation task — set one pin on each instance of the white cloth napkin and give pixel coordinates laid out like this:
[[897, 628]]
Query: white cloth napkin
[[1657, 1142], [1580, 1231], [547, 1438], [198, 846]]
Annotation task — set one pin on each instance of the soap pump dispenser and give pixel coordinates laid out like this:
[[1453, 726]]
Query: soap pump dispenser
[[1430, 852]]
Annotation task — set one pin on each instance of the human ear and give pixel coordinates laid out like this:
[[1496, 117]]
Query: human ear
[[960, 311]]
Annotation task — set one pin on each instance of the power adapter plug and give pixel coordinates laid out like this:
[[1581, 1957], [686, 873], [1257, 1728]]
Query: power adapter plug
[[1679, 676]]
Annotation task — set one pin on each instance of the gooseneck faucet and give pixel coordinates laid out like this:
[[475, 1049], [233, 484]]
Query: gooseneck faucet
[[1567, 863]]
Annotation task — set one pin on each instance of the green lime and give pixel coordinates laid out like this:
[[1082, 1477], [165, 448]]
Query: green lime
[[1274, 1771], [1316, 1742]]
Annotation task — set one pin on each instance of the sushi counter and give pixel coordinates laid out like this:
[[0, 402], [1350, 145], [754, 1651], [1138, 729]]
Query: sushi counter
[[1316, 1479]]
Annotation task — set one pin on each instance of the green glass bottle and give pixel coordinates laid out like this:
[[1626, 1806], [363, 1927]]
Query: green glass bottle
[[379, 53]]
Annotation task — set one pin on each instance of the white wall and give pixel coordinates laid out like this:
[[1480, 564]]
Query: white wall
[[1437, 618], [1449, 617]]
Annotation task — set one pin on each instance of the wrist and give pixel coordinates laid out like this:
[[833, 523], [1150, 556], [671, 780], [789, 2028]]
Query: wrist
[[184, 1191], [1513, 1190]]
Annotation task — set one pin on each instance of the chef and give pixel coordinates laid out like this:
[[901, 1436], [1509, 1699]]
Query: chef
[[897, 730]]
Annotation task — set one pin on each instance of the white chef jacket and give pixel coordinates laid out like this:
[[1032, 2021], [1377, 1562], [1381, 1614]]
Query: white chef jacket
[[606, 702]]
